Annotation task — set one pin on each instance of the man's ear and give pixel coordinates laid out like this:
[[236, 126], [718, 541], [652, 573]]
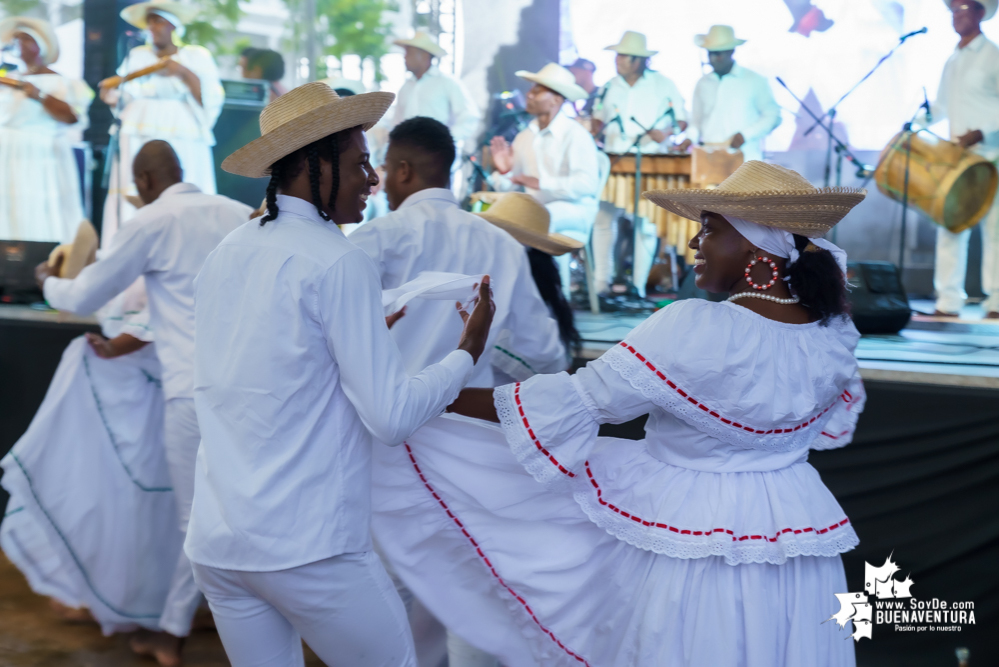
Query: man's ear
[[405, 171]]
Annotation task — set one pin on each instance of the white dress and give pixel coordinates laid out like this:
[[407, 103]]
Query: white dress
[[711, 542], [40, 196], [162, 107], [91, 519]]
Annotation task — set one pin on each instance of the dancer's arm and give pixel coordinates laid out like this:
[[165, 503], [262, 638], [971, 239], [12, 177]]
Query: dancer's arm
[[475, 403]]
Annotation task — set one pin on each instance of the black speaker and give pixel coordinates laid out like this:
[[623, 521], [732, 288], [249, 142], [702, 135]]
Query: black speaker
[[878, 304], [238, 125], [18, 260]]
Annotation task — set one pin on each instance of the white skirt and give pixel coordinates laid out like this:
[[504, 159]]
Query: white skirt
[[91, 519], [522, 573]]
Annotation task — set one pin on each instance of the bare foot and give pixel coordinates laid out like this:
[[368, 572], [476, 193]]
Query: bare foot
[[161, 646], [992, 315], [940, 313], [70, 614]]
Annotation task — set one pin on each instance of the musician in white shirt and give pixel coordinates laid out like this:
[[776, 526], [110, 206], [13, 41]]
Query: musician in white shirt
[[166, 242], [733, 106], [637, 94], [969, 98]]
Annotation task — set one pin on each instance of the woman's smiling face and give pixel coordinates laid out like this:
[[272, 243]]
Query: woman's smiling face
[[722, 254]]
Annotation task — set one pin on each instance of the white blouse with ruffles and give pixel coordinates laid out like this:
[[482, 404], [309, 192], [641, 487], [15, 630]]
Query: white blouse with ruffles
[[735, 401]]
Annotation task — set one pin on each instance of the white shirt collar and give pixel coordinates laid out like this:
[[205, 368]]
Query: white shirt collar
[[179, 189], [436, 194], [432, 72], [733, 73], [555, 127], [301, 208], [974, 45]]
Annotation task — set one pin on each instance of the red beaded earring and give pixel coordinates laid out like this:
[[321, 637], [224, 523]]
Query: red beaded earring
[[773, 268]]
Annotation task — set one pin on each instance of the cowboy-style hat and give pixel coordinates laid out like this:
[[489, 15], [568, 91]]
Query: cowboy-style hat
[[632, 44], [990, 7], [422, 40], [40, 30], [768, 195], [558, 79], [297, 118], [719, 38], [527, 220], [136, 14]]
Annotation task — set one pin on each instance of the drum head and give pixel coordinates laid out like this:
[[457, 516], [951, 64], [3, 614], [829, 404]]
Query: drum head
[[969, 198]]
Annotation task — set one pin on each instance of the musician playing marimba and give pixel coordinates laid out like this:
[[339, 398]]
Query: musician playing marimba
[[40, 198], [178, 103]]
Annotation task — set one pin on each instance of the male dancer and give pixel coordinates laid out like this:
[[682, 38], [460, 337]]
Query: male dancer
[[166, 242]]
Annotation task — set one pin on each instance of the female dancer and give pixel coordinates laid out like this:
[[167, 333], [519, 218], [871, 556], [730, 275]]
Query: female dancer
[[710, 542], [40, 198]]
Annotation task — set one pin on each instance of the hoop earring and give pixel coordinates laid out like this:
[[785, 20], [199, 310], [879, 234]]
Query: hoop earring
[[773, 268]]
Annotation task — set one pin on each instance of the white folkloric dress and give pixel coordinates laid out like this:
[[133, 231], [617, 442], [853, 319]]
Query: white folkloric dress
[[162, 107], [40, 196], [710, 542], [91, 519]]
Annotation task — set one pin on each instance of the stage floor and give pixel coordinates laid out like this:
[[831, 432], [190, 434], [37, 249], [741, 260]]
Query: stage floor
[[939, 351]]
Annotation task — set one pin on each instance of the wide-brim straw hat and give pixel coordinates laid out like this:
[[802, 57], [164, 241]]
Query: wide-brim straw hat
[[299, 117], [136, 14], [558, 79], [527, 220], [632, 44], [719, 38], [766, 194], [422, 40], [38, 29], [990, 7]]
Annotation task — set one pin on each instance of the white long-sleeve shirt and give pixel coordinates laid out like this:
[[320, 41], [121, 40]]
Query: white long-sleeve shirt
[[167, 242], [739, 102], [647, 101], [440, 97], [295, 371], [562, 157], [430, 232], [969, 94]]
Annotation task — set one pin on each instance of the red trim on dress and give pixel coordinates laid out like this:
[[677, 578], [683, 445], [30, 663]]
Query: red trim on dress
[[530, 432], [485, 559]]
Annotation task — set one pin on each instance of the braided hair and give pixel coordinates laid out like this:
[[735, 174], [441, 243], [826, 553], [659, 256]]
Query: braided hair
[[818, 281], [549, 282]]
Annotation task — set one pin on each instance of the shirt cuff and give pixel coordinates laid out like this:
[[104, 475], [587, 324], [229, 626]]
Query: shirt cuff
[[50, 290], [461, 364]]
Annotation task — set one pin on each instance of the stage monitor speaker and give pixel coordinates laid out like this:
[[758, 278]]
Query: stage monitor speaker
[[18, 260], [878, 304], [238, 125]]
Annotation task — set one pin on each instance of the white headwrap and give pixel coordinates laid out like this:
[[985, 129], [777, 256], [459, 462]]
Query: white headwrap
[[171, 18], [780, 243]]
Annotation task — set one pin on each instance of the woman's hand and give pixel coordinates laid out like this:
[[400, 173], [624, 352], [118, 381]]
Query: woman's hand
[[476, 331]]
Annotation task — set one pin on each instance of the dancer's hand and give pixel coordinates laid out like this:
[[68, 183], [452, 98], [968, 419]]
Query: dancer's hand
[[118, 346], [473, 337], [395, 317], [47, 270]]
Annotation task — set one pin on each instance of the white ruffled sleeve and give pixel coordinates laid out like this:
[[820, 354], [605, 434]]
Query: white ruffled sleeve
[[838, 431]]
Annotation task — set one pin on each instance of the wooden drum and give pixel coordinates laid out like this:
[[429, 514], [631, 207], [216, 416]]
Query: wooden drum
[[950, 184]]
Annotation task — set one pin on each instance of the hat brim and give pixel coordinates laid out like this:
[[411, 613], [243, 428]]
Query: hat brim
[[9, 28], [703, 42], [809, 213], [135, 15], [990, 7], [553, 244], [254, 160], [433, 49], [616, 48], [572, 92]]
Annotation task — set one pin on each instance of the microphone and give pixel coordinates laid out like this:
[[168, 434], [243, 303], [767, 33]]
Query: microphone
[[921, 31], [926, 105]]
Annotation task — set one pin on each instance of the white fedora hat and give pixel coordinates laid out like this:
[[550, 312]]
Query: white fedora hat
[[719, 38], [527, 220], [299, 117], [172, 11], [40, 30], [632, 44], [558, 79], [990, 7], [422, 40]]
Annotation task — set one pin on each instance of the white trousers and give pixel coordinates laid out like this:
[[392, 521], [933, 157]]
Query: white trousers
[[181, 438], [951, 267], [345, 607]]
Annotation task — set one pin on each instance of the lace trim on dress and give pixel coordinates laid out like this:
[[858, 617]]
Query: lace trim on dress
[[644, 376], [527, 449]]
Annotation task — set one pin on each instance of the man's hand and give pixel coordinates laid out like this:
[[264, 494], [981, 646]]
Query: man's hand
[[502, 153], [738, 140], [659, 136], [596, 127], [46, 270], [115, 347], [683, 146], [476, 331], [395, 317], [530, 182], [971, 138]]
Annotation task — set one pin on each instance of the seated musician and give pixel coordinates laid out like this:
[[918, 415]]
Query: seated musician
[[554, 158], [733, 106]]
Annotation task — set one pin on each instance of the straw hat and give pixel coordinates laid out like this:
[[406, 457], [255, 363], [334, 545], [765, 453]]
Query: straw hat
[[632, 44], [527, 220], [558, 79], [422, 40], [719, 38], [136, 14], [990, 7], [766, 194], [38, 29], [299, 117]]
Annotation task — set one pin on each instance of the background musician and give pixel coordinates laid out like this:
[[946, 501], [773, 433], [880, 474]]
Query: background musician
[[969, 98], [583, 70], [40, 198], [732, 106], [178, 104]]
